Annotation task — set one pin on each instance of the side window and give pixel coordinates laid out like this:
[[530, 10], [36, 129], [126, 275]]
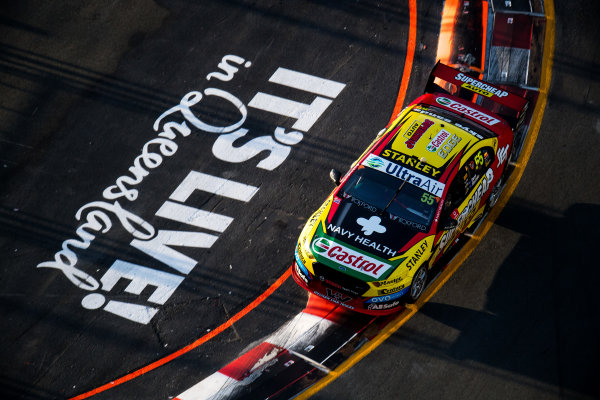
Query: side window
[[467, 177]]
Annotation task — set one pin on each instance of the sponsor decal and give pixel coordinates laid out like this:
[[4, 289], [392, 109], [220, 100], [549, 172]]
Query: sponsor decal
[[469, 208], [406, 222], [349, 258], [362, 240], [153, 286], [340, 297], [422, 110], [375, 246], [412, 129], [502, 155], [388, 297], [375, 162], [300, 272], [412, 162], [338, 286], [438, 140], [412, 261], [301, 263], [333, 300], [487, 158], [360, 203], [371, 225], [469, 130], [471, 112], [340, 231], [449, 146], [383, 306], [425, 111], [389, 281], [414, 178], [414, 137], [321, 245], [392, 290], [479, 87], [454, 214], [315, 217]]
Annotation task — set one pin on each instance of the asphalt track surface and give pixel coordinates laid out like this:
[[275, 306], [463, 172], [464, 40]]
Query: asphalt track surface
[[82, 86]]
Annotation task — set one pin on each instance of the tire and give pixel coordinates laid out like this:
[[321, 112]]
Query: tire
[[418, 285], [495, 195]]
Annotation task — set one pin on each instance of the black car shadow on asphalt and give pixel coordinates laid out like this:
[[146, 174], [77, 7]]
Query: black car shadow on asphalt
[[541, 316]]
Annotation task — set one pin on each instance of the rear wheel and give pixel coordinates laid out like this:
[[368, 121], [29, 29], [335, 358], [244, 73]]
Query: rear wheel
[[418, 285], [495, 195]]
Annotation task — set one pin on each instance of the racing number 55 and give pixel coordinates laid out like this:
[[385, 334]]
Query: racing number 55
[[428, 198]]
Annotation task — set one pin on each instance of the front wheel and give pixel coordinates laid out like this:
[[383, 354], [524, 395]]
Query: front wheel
[[418, 285]]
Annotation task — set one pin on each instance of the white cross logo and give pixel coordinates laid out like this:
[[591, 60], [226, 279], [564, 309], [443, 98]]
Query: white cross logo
[[371, 225]]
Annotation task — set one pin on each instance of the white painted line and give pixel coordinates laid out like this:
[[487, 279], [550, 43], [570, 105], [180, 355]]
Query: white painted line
[[133, 312], [158, 247], [300, 331], [194, 216], [140, 278], [209, 388], [306, 82], [212, 184], [306, 114]]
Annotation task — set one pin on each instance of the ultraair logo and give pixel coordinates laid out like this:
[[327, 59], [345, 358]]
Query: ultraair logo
[[371, 225], [321, 245], [375, 162], [414, 178]]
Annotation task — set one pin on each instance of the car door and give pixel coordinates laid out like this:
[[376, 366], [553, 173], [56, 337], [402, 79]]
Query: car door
[[464, 194]]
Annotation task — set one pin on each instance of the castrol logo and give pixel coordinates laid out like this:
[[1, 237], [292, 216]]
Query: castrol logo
[[349, 258]]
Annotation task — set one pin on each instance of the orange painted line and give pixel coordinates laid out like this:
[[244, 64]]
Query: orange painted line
[[484, 26], [445, 41], [410, 55], [190, 346]]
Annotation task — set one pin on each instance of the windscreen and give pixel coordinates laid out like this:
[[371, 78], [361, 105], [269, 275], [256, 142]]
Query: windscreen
[[392, 195]]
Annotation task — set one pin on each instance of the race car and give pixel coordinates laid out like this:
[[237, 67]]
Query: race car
[[429, 176]]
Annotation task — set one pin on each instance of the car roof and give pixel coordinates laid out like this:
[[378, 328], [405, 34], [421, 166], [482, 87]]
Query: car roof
[[426, 136]]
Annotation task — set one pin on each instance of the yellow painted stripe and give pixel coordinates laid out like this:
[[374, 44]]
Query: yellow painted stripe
[[514, 179]]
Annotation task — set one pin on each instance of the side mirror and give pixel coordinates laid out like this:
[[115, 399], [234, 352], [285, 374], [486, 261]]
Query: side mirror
[[335, 176], [449, 223]]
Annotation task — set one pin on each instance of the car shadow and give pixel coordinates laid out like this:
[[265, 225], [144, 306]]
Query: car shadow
[[540, 319]]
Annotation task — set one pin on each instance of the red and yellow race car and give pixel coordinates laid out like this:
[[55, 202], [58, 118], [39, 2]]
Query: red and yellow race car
[[429, 176]]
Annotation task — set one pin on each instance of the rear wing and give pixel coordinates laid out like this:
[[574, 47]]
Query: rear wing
[[509, 106]]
